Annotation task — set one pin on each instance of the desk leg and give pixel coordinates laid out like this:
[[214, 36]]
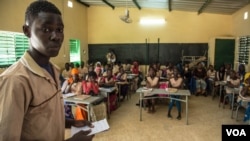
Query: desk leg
[[88, 109], [108, 105], [220, 94], [119, 94], [187, 110], [140, 100], [232, 105]]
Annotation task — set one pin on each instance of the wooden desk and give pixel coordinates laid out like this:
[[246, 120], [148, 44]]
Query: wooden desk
[[106, 92], [88, 102], [185, 93]]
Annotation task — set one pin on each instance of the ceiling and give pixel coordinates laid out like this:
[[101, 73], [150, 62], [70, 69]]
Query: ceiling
[[226, 7]]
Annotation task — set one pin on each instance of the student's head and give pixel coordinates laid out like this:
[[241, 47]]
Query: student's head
[[242, 68], [233, 74], [211, 67], [76, 77], [109, 73], [72, 65], [77, 65], [175, 72], [152, 71], [200, 65], [66, 65], [92, 76], [82, 64], [222, 68], [44, 28], [121, 69]]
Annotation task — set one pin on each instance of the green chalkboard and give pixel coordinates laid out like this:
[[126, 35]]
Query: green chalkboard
[[147, 53], [224, 52]]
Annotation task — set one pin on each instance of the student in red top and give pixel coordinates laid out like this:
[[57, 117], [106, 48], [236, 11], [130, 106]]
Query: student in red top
[[91, 87]]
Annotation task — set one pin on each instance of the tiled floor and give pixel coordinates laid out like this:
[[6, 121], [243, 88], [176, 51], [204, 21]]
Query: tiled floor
[[205, 120]]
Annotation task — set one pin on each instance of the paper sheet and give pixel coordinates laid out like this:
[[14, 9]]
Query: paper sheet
[[99, 126]]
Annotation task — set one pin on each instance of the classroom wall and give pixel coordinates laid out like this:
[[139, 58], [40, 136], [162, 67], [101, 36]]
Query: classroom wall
[[104, 26], [12, 19], [240, 26]]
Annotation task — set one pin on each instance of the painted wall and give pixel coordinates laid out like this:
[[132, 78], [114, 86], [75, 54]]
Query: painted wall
[[12, 19], [104, 26], [241, 27]]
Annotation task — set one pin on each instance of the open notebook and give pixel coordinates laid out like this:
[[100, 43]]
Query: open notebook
[[81, 97]]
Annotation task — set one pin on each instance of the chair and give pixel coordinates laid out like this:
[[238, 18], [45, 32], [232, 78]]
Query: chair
[[234, 95], [242, 103]]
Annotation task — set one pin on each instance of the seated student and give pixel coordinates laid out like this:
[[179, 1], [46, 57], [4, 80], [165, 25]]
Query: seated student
[[220, 75], [122, 77], [200, 76], [170, 70], [241, 72], [66, 73], [176, 81], [135, 69], [232, 82], [83, 70], [152, 81], [210, 78], [90, 87], [73, 84], [108, 80], [98, 71], [106, 67], [244, 98]]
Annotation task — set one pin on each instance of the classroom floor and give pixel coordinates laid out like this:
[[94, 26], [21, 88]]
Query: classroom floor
[[205, 120]]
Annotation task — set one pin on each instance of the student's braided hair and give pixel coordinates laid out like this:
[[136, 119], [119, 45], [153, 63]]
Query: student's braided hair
[[39, 6]]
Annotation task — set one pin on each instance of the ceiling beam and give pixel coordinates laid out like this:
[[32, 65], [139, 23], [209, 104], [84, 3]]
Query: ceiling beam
[[204, 6], [109, 4], [170, 5], [137, 5], [85, 4]]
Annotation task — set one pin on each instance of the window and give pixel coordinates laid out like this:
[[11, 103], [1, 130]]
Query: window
[[12, 47], [75, 55], [244, 48]]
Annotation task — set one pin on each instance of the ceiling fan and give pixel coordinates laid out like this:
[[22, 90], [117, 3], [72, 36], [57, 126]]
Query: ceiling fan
[[126, 17]]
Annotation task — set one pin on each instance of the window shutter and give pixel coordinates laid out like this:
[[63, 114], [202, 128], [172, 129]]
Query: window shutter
[[12, 47], [75, 55], [7, 49], [244, 48], [21, 44]]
